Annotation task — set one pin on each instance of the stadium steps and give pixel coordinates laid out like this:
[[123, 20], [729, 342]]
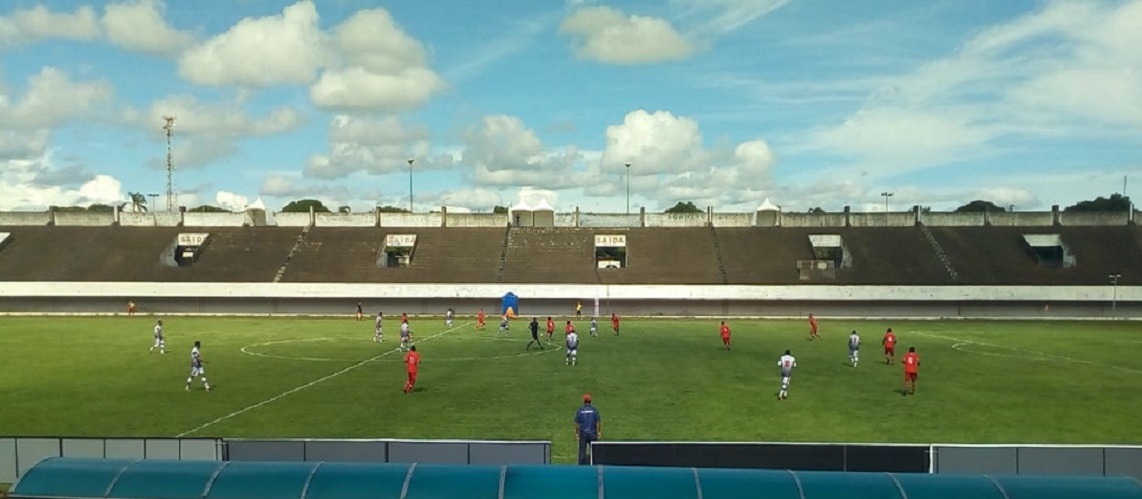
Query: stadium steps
[[764, 255], [718, 253], [668, 255], [550, 255], [504, 254], [939, 252], [292, 251]]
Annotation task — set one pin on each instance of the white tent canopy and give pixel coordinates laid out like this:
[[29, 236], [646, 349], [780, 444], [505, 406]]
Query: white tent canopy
[[543, 206], [768, 206], [521, 206]]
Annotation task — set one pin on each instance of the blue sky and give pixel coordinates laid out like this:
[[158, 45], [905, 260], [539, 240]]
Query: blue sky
[[721, 102]]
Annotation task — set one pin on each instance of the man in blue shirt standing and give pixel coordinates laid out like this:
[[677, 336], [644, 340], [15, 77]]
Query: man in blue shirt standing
[[588, 428]]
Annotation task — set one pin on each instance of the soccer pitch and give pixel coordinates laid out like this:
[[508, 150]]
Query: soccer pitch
[[289, 377]]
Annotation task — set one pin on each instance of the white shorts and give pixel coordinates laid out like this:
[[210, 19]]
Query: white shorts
[[573, 351], [785, 381], [197, 371]]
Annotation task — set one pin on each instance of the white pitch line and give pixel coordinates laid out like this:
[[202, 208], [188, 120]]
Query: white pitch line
[[307, 385], [1029, 354]]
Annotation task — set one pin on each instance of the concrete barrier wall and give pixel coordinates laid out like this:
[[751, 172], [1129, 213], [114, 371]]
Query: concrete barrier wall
[[478, 220], [677, 219], [609, 220], [1077, 218], [87, 219], [155, 219], [890, 219], [813, 219], [412, 219], [10, 218], [391, 451], [733, 219], [945, 219], [285, 219], [194, 219], [1021, 219], [368, 219]]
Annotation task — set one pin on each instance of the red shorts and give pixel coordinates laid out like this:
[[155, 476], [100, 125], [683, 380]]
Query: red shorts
[[412, 378], [725, 338], [889, 350], [910, 376]]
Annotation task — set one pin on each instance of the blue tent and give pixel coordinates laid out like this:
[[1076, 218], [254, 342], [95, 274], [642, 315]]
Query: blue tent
[[76, 478], [510, 305]]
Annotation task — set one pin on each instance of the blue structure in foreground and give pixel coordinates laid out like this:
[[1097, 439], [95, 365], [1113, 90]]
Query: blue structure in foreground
[[131, 479]]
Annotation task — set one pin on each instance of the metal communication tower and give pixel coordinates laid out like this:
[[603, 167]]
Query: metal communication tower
[[169, 127]]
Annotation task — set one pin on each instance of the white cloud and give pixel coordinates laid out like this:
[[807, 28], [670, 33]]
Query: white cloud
[[38, 23], [373, 146], [724, 16], [231, 201], [52, 98], [606, 34], [503, 151], [358, 89], [139, 25], [381, 68], [478, 199], [1069, 69], [257, 52], [205, 132], [654, 143]]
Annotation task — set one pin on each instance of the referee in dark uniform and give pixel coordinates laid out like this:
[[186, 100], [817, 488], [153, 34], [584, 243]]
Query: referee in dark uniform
[[588, 428], [534, 326]]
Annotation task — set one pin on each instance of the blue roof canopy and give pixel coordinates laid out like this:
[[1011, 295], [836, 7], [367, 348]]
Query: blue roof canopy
[[75, 478]]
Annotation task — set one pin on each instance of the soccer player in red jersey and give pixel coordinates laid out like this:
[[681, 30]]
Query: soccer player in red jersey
[[412, 364], [550, 328], [615, 323], [725, 331], [813, 328], [480, 318], [889, 343], [568, 329], [911, 371]]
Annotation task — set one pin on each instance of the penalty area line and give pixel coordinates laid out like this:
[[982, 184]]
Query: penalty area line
[[1025, 353], [291, 391]]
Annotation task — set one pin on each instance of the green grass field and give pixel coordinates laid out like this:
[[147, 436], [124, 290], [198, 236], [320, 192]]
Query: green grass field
[[980, 381]]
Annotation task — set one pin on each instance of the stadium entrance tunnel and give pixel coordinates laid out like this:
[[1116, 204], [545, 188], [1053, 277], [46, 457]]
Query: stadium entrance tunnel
[[75, 478]]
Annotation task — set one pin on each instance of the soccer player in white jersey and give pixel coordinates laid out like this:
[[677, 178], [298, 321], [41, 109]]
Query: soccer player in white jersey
[[787, 363], [160, 340], [505, 326], [854, 348], [448, 316], [196, 369], [379, 328], [405, 336], [594, 327], [572, 348]]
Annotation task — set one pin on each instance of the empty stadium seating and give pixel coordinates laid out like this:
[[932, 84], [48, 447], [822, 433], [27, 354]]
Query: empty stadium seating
[[536, 255]]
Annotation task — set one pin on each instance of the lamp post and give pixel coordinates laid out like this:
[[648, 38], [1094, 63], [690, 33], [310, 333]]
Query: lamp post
[[628, 187], [153, 197], [886, 195], [410, 161], [1114, 293]]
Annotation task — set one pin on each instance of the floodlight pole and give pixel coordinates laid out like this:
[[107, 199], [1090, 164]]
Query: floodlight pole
[[154, 197], [628, 187], [886, 195], [1114, 293], [410, 161]]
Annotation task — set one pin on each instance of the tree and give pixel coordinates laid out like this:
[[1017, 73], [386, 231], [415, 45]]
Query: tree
[[499, 209], [303, 206], [816, 210], [392, 209], [687, 207], [207, 209], [101, 208], [344, 209], [138, 202], [1116, 202], [979, 205]]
